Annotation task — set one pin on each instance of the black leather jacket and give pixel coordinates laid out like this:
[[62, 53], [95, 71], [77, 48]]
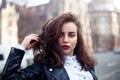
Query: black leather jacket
[[33, 72]]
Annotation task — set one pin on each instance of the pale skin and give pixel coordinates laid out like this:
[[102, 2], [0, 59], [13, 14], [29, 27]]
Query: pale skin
[[27, 41], [67, 39]]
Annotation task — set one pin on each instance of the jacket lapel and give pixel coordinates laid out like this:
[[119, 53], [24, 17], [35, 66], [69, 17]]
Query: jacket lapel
[[58, 73], [93, 74]]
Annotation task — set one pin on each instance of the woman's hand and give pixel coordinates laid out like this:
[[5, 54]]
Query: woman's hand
[[30, 41]]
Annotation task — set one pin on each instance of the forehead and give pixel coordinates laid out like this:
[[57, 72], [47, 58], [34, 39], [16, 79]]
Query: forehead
[[69, 27]]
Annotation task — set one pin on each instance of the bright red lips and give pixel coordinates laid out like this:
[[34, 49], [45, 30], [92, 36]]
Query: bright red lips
[[65, 47]]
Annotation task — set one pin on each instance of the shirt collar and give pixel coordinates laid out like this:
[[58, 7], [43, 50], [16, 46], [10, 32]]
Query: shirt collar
[[70, 59]]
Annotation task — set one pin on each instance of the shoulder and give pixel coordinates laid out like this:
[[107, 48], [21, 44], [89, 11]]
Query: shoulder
[[36, 66]]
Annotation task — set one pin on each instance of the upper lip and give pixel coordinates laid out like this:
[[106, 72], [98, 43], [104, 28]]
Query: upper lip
[[65, 46]]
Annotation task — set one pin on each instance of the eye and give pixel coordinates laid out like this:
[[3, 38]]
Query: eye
[[71, 35], [61, 34]]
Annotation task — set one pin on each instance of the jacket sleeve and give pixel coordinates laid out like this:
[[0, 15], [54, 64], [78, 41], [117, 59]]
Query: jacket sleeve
[[12, 70]]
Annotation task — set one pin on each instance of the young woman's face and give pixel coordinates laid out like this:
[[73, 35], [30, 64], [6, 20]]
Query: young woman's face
[[68, 38]]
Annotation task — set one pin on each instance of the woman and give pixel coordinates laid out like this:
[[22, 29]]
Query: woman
[[59, 53]]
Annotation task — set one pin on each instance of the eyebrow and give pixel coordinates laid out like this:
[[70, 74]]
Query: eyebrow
[[68, 32], [71, 32]]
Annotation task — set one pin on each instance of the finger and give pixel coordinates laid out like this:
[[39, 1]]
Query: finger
[[33, 37], [31, 45]]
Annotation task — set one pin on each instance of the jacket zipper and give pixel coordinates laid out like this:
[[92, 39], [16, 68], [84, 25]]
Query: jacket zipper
[[5, 67]]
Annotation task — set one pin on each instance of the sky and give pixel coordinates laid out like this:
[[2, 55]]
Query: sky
[[28, 3], [31, 3], [88, 1]]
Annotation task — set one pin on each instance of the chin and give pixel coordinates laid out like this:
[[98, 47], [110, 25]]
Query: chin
[[66, 53]]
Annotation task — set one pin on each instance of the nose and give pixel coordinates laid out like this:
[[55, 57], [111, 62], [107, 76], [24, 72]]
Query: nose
[[65, 39]]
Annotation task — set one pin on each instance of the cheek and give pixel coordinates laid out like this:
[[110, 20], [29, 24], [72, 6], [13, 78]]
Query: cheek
[[74, 43]]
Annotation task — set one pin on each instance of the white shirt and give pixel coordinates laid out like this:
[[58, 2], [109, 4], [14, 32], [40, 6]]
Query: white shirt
[[74, 71]]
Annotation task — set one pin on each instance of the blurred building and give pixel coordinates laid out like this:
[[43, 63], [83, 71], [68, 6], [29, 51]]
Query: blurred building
[[9, 27], [105, 24], [2, 5], [32, 18]]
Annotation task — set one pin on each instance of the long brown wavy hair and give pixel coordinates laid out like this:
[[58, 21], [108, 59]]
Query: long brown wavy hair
[[47, 51]]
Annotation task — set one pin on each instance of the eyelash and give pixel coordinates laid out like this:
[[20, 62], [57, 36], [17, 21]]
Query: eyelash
[[70, 35]]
